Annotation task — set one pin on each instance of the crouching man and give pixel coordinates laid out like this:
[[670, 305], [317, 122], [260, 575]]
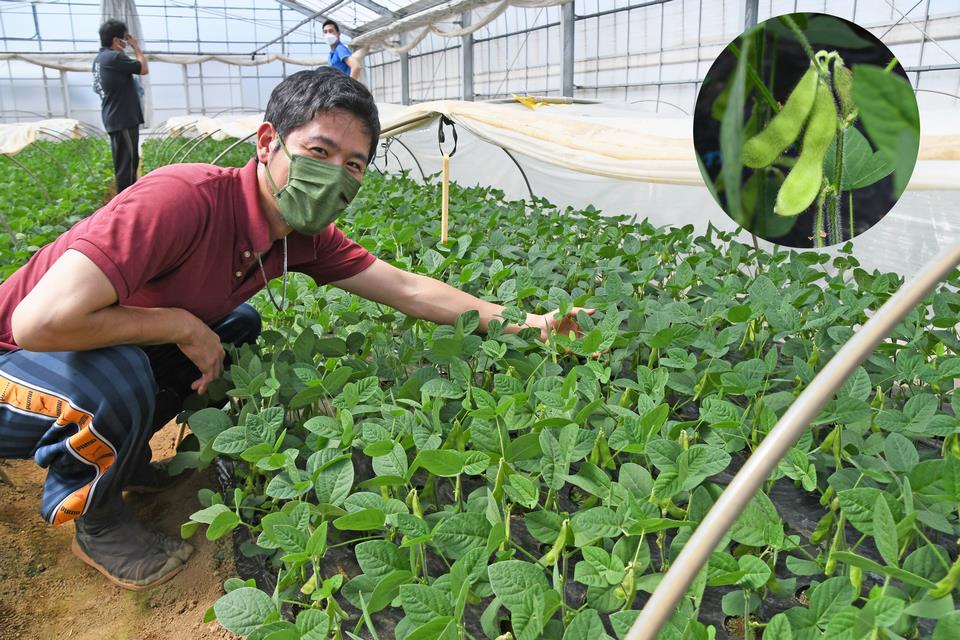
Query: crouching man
[[106, 331]]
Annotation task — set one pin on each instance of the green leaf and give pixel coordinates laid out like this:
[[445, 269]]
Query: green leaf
[[779, 628], [522, 491], [393, 463], [951, 476], [622, 621], [512, 579], [378, 558], [858, 506], [207, 424], [597, 522], [223, 523], [756, 573], [904, 576], [886, 610], [861, 165], [759, 525], [242, 610], [556, 455], [702, 462], [885, 532], [829, 597], [387, 589], [586, 625], [461, 532], [948, 627], [526, 617], [423, 603], [888, 110], [443, 628], [439, 462], [334, 478], [900, 453], [313, 624], [363, 520]]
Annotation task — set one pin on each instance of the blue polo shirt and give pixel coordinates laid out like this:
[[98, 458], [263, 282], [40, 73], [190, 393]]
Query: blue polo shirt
[[338, 55]]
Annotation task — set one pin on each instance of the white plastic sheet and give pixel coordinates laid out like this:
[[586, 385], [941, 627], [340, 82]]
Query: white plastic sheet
[[623, 161]]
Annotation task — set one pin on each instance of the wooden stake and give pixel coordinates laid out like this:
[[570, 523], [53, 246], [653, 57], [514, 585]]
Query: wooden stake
[[176, 445], [445, 201]]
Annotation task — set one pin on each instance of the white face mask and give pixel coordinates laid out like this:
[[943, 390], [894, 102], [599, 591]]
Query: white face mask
[[331, 38]]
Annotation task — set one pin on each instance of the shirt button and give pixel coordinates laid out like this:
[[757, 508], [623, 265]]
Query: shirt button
[[239, 274], [246, 254]]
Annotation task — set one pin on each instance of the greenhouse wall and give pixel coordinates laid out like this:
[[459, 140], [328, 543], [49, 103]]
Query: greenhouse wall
[[649, 53]]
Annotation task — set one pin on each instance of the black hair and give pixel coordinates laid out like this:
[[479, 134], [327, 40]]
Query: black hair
[[335, 25], [301, 96], [111, 29]]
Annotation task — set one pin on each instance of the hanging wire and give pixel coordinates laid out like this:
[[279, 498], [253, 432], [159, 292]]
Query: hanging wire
[[516, 56], [903, 16]]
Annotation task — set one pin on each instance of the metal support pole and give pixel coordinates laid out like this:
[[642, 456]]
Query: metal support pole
[[466, 59], [567, 18], [785, 433], [750, 13], [65, 91], [186, 85], [404, 75]]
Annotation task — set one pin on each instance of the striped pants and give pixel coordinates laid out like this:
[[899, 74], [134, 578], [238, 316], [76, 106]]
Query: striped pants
[[87, 416]]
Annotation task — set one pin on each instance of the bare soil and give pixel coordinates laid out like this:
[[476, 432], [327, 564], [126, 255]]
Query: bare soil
[[47, 593]]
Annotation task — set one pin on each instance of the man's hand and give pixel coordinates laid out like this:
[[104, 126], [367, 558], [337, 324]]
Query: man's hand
[[204, 349], [563, 324], [138, 52]]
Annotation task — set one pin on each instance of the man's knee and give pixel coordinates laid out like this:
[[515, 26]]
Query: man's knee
[[242, 326], [124, 379]]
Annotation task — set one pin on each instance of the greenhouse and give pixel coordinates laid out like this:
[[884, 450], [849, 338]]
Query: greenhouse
[[480, 319]]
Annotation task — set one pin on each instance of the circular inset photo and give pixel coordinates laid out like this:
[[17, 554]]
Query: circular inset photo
[[806, 130]]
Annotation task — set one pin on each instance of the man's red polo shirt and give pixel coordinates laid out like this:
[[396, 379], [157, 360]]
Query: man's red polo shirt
[[187, 236]]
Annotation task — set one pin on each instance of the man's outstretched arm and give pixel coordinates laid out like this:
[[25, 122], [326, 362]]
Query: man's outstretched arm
[[427, 298]]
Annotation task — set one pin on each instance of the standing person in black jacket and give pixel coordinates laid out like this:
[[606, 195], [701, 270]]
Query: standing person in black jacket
[[113, 72]]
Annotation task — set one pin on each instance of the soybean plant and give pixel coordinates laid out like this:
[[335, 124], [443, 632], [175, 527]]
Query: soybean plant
[[812, 109]]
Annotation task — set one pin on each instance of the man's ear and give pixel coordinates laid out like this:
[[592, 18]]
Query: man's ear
[[266, 135]]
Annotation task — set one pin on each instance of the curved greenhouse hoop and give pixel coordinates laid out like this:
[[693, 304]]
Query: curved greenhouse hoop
[[232, 147], [659, 101], [197, 143], [32, 175], [745, 484]]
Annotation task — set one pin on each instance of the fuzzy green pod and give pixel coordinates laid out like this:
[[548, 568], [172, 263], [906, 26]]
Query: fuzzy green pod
[[803, 183], [843, 85], [762, 149]]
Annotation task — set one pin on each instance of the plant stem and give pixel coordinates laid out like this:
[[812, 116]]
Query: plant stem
[[850, 200], [818, 222], [890, 65], [836, 233], [787, 20]]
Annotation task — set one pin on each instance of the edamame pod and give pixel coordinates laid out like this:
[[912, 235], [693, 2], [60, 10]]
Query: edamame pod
[[843, 85], [762, 149], [803, 183]]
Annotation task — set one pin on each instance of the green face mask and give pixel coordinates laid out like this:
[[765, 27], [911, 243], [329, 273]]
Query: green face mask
[[315, 194]]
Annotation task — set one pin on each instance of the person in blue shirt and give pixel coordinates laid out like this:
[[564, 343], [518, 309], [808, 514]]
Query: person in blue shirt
[[340, 57]]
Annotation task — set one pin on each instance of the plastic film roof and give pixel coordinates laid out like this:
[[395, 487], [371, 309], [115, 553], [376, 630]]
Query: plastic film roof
[[360, 16]]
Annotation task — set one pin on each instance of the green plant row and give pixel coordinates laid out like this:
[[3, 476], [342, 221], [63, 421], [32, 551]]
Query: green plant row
[[48, 187], [160, 151], [416, 481]]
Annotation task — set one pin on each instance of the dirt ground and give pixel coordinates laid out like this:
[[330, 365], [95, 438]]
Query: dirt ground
[[48, 594]]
